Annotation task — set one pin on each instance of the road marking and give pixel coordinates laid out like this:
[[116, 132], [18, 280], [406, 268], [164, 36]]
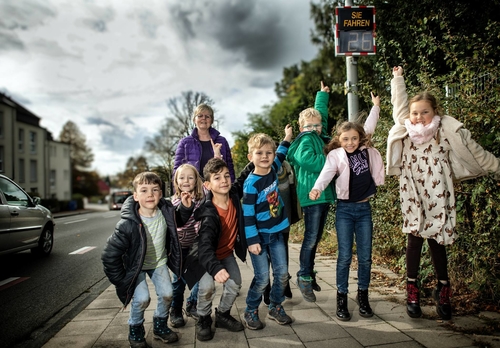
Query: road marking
[[72, 222], [7, 283], [82, 250]]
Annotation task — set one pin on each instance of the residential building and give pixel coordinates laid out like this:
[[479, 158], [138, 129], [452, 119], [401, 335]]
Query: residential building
[[30, 156]]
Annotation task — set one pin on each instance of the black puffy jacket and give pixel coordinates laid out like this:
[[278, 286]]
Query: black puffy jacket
[[125, 249]]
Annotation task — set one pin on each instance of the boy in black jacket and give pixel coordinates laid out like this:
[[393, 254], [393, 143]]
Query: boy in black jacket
[[145, 241], [221, 232]]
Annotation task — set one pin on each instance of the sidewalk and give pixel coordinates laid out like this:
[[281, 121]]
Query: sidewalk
[[104, 324]]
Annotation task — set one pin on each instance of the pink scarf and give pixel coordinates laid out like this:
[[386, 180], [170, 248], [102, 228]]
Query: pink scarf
[[421, 134]]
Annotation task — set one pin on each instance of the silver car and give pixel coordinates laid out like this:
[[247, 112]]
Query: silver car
[[24, 223]]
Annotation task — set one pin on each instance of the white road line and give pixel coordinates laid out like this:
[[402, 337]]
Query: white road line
[[82, 250], [72, 222], [8, 280]]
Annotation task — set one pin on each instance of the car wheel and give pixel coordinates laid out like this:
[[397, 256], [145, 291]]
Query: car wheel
[[44, 243]]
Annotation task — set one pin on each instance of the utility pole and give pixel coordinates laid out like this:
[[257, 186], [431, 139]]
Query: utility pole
[[351, 83]]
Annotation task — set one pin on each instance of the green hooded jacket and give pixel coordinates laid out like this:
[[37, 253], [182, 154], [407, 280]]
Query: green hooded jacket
[[306, 155]]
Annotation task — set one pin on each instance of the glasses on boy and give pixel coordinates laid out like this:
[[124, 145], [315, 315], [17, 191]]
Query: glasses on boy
[[312, 126]]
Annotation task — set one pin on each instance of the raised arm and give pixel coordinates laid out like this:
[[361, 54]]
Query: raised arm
[[399, 97]]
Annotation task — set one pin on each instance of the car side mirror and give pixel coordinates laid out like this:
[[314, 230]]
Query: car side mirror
[[37, 200]]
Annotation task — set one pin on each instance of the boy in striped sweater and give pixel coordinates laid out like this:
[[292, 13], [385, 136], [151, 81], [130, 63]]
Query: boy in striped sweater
[[265, 220]]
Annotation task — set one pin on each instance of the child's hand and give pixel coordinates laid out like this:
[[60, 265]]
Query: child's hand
[[314, 194], [325, 88], [186, 199], [397, 71], [255, 249], [375, 99], [288, 133], [222, 276], [216, 148]]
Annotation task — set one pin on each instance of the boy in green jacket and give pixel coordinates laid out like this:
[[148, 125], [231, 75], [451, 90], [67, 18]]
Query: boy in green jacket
[[307, 157]]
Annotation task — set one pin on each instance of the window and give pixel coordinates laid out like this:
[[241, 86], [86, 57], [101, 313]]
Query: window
[[22, 172], [52, 179], [33, 176], [1, 160], [20, 142], [66, 174], [32, 142], [66, 152], [13, 194], [1, 124]]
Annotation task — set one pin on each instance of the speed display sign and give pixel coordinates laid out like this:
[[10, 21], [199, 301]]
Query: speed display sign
[[355, 31]]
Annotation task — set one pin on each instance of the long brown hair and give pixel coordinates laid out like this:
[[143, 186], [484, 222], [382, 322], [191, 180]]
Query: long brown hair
[[364, 139]]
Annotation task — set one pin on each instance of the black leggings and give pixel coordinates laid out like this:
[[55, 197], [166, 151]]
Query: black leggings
[[438, 255]]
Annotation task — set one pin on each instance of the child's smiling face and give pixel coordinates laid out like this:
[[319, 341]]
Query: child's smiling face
[[421, 112]]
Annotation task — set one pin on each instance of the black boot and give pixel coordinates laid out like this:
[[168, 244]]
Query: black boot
[[342, 311], [204, 328], [136, 336], [413, 300], [364, 306], [227, 321], [176, 317], [161, 331], [442, 294], [314, 284]]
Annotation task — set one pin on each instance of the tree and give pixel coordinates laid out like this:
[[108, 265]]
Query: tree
[[80, 154], [83, 181], [133, 167]]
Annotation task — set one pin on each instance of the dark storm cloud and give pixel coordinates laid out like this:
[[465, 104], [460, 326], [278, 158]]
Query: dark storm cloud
[[18, 15], [254, 29]]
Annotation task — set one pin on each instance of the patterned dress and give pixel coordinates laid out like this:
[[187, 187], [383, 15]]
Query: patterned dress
[[427, 194]]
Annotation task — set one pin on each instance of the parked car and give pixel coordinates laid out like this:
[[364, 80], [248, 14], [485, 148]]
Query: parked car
[[24, 223], [117, 198]]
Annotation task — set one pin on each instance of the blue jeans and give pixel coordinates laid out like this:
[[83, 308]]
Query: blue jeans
[[314, 222], [274, 252], [354, 219], [140, 301], [179, 286], [230, 289]]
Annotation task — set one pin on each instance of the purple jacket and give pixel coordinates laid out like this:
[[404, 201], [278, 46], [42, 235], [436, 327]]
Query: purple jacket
[[189, 151]]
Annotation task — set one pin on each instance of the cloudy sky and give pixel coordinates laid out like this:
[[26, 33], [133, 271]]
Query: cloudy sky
[[110, 66]]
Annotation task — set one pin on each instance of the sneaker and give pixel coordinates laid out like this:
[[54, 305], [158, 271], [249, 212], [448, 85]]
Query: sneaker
[[176, 317], [279, 315], [305, 286], [267, 291], [252, 320], [191, 309]]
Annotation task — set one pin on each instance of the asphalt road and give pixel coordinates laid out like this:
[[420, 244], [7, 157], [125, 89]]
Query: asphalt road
[[49, 291]]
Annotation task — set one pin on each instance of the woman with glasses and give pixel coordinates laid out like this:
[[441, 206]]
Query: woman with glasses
[[197, 148]]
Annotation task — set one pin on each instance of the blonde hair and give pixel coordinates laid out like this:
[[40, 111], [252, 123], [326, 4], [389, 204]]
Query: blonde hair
[[146, 178], [198, 187], [258, 140], [203, 107], [307, 114]]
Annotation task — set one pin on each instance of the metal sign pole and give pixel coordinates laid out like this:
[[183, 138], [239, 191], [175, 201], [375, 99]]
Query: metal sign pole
[[352, 82]]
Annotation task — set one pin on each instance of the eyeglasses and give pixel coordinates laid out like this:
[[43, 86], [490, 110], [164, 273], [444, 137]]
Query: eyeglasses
[[312, 126], [203, 116]]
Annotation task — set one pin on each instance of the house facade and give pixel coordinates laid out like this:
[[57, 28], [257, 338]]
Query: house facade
[[30, 156]]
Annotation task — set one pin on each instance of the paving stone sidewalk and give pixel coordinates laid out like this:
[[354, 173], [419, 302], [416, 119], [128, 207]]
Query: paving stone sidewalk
[[104, 324]]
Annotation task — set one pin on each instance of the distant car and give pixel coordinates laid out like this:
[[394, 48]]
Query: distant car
[[24, 223], [117, 198]]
